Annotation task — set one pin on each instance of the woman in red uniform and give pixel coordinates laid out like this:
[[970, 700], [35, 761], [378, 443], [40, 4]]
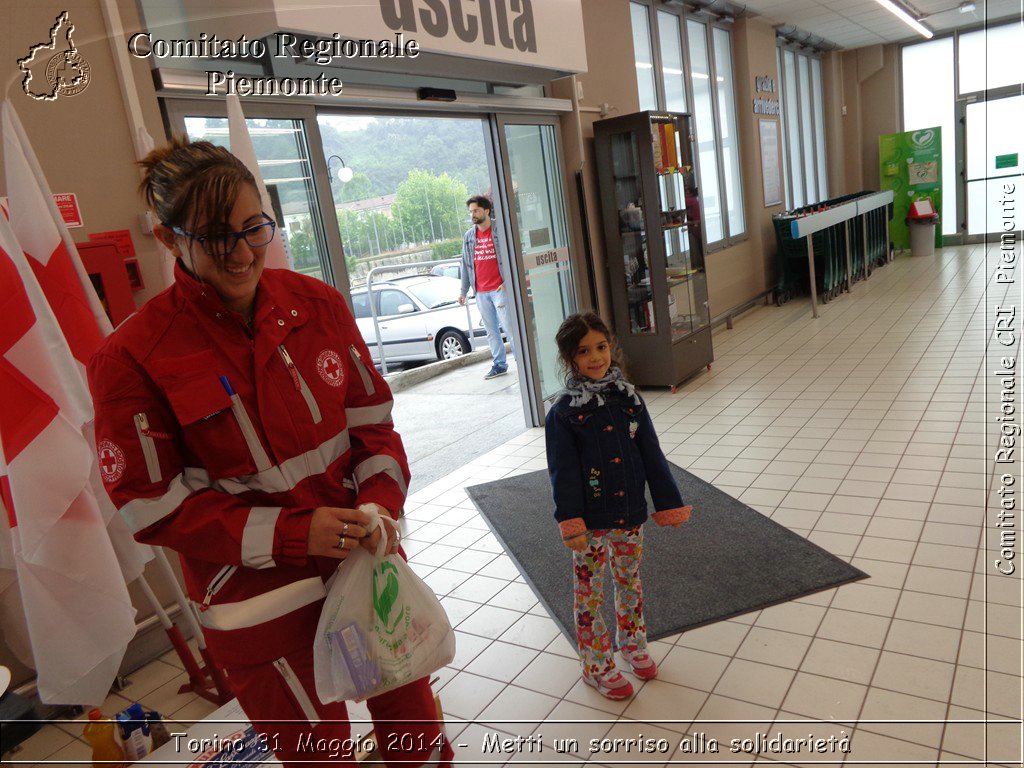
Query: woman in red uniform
[[240, 422]]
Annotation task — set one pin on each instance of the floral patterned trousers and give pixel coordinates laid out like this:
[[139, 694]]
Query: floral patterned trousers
[[621, 548]]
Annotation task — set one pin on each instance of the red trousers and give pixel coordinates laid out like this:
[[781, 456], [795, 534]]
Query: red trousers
[[280, 699]]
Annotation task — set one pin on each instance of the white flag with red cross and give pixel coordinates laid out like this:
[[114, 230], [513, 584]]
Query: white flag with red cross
[[78, 612], [50, 251], [43, 237]]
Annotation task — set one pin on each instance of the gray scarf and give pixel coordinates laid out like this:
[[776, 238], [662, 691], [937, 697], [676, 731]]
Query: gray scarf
[[583, 389]]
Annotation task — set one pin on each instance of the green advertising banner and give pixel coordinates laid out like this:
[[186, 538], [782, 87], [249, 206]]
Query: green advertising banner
[[911, 166]]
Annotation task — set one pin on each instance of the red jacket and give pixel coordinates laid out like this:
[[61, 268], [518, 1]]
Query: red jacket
[[219, 442]]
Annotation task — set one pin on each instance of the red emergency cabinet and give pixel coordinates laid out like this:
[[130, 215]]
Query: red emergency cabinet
[[110, 278]]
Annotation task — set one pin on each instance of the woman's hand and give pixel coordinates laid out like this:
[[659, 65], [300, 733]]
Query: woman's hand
[[390, 526], [335, 531], [576, 543]]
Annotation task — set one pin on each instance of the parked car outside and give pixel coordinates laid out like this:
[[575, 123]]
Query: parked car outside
[[419, 318], [447, 270]]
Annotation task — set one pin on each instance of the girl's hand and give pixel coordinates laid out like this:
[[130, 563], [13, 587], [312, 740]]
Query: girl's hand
[[673, 518], [576, 543], [335, 531]]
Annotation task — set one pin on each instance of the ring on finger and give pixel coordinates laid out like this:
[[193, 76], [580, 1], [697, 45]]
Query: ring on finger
[[344, 530], [341, 543]]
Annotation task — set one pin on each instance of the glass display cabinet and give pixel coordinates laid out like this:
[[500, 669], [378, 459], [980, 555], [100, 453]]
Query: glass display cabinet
[[654, 245]]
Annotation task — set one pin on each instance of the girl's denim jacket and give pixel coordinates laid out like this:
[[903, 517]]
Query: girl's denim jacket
[[599, 459]]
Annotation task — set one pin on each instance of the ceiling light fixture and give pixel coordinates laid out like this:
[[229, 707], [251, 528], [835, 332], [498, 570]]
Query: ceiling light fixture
[[967, 7], [904, 15]]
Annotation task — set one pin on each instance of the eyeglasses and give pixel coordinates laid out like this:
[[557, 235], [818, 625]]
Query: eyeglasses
[[220, 246]]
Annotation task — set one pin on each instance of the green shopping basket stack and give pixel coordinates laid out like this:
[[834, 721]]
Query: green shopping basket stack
[[791, 259], [830, 250]]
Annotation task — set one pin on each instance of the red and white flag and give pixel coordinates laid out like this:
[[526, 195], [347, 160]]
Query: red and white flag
[[39, 229], [50, 251], [79, 615], [241, 147]]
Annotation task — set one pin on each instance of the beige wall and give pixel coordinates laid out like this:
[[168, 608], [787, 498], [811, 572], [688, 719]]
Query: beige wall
[[866, 82], [84, 146], [609, 84]]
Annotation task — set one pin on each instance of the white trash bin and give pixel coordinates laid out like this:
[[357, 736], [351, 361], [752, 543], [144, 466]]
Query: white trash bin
[[922, 237], [921, 219]]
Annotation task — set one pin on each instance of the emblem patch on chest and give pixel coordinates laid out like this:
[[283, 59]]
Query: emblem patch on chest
[[328, 365], [595, 482], [111, 460], [633, 427]]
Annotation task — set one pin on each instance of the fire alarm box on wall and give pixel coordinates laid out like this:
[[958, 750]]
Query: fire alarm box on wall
[[107, 271]]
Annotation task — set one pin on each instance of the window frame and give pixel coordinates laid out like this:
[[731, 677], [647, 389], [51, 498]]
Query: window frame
[[787, 185], [719, 141], [652, 42], [710, 23], [818, 137]]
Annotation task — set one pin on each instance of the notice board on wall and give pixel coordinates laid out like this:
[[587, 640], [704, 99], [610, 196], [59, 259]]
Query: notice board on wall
[[911, 166], [771, 171]]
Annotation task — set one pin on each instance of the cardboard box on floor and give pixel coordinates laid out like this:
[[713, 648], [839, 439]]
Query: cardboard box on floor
[[227, 738]]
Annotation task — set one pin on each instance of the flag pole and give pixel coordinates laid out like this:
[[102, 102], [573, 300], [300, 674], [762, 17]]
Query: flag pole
[[195, 674], [220, 681]]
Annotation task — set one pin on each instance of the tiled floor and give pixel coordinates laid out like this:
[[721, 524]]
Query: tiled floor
[[863, 430]]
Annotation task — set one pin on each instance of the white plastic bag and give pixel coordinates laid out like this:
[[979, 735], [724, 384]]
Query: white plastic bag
[[381, 627]]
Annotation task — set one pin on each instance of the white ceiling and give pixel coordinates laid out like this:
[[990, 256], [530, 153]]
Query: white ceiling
[[856, 23]]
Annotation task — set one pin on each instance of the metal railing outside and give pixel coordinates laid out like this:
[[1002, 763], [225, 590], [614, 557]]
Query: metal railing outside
[[373, 306]]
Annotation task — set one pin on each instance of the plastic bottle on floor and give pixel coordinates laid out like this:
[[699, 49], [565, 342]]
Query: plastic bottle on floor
[[106, 752], [134, 732], [157, 730]]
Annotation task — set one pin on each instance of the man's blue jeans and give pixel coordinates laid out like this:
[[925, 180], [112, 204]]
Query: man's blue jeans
[[494, 311]]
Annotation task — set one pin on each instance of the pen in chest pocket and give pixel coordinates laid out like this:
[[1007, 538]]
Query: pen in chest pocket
[[245, 424]]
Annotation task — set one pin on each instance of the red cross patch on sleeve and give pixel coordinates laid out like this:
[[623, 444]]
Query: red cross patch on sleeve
[[112, 461]]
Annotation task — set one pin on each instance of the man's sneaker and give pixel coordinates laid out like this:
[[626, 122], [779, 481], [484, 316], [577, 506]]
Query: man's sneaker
[[612, 685], [641, 664], [495, 372]]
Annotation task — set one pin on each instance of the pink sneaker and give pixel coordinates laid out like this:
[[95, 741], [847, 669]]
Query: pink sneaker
[[641, 663], [612, 685]]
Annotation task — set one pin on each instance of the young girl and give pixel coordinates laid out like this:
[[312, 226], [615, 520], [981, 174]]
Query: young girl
[[602, 450]]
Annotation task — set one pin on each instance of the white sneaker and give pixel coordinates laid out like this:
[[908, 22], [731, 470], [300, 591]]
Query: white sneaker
[[612, 685]]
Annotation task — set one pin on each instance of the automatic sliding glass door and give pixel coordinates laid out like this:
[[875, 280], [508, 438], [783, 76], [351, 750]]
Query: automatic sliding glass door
[[536, 194], [992, 168]]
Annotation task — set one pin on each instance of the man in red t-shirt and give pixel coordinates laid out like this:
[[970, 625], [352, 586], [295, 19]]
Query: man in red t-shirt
[[482, 267]]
